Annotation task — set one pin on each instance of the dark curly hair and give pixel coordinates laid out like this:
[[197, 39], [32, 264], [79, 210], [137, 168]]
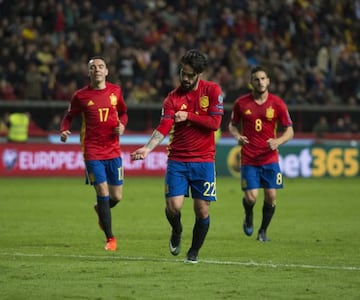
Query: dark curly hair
[[260, 69], [197, 60]]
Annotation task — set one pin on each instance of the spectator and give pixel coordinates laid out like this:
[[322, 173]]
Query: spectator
[[15, 76], [18, 127], [7, 91], [320, 128], [4, 120], [300, 38], [145, 92], [342, 125], [54, 124], [296, 94], [349, 124], [33, 83]]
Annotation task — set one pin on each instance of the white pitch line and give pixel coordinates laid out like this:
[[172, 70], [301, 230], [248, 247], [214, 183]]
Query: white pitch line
[[213, 262]]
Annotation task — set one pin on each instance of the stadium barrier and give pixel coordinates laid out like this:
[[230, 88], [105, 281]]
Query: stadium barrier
[[145, 116], [298, 158]]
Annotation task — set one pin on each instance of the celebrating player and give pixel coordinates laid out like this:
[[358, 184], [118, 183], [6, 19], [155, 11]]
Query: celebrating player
[[104, 116], [191, 114], [254, 121]]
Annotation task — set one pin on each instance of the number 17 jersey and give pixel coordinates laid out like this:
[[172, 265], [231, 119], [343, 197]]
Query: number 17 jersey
[[101, 111]]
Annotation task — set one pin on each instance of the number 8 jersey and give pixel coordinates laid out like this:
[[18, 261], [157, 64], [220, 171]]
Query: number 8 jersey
[[259, 122]]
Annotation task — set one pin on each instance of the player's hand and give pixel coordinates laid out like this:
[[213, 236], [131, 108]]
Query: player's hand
[[119, 130], [243, 140], [181, 116], [140, 153], [273, 144], [64, 135]]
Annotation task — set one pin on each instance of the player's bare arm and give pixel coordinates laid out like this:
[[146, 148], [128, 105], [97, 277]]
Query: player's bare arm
[[242, 139], [155, 139], [64, 135], [287, 135]]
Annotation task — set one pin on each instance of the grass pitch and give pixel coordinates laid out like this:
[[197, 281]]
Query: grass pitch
[[51, 246]]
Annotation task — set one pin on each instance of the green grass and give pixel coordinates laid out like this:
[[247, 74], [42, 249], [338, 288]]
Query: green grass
[[52, 248]]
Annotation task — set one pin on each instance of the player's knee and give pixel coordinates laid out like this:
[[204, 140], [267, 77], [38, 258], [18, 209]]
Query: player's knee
[[116, 198], [202, 214], [172, 209], [250, 200]]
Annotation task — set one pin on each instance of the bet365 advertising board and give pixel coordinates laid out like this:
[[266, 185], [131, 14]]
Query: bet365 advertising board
[[301, 160]]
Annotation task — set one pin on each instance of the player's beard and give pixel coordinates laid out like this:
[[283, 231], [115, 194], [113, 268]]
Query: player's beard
[[186, 86], [261, 90]]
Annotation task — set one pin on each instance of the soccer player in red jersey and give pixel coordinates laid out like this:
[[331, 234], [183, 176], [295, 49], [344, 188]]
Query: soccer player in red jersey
[[104, 118], [254, 123], [191, 114]]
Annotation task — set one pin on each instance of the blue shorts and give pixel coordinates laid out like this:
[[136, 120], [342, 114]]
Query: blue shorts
[[110, 171], [266, 176], [199, 176]]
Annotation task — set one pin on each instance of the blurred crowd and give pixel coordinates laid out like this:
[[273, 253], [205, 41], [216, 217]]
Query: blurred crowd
[[311, 47]]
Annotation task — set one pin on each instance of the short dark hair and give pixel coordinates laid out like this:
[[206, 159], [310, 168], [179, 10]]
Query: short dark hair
[[98, 57], [197, 60], [258, 69]]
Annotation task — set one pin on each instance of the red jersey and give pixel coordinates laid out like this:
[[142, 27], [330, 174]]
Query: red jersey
[[259, 123], [101, 111], [193, 140]]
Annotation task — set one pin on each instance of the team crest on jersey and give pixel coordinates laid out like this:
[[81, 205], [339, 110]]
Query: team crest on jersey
[[183, 107], [90, 103], [113, 99], [269, 113], [248, 112], [204, 102]]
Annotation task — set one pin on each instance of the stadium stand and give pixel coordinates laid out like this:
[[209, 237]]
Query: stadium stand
[[312, 48]]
